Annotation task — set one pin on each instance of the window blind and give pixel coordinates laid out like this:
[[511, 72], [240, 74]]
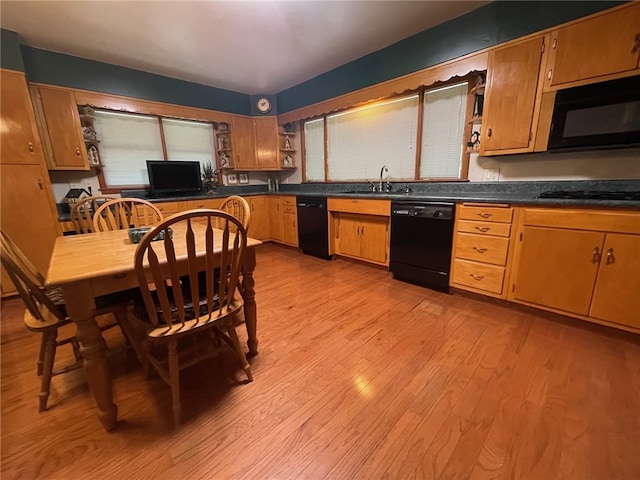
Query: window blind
[[361, 140], [314, 150], [442, 131], [188, 140], [126, 142]]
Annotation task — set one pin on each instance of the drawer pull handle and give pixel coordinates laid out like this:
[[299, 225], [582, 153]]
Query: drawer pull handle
[[31, 149], [120, 275], [595, 257], [200, 206], [483, 229], [480, 250], [636, 43], [610, 258], [484, 214], [476, 277]]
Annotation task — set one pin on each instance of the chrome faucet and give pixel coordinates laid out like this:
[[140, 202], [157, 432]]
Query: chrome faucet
[[382, 170], [373, 187]]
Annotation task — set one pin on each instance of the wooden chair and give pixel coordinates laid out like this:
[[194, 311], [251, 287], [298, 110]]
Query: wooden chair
[[123, 213], [239, 208], [82, 212], [177, 309], [46, 312]]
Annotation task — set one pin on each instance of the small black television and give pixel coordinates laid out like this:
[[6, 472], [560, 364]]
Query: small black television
[[167, 177]]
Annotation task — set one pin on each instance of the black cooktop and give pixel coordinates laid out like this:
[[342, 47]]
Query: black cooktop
[[591, 195]]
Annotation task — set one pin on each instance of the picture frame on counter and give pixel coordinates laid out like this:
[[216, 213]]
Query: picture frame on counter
[[232, 179], [243, 178]]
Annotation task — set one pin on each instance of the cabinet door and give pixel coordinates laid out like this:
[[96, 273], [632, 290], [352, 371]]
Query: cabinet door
[[275, 219], [61, 130], [266, 134], [290, 224], [259, 226], [510, 97], [616, 297], [557, 268], [596, 47], [373, 233], [349, 235], [19, 134], [27, 214], [244, 157]]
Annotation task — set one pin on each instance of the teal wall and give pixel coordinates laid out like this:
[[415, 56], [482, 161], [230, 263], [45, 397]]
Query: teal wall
[[10, 56], [489, 25], [486, 26]]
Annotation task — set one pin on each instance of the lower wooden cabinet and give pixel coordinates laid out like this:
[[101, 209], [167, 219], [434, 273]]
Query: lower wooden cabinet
[[582, 263], [365, 237], [481, 247], [27, 215], [275, 218], [290, 221], [259, 227]]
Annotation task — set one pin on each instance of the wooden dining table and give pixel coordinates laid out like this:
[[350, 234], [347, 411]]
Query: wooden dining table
[[95, 264]]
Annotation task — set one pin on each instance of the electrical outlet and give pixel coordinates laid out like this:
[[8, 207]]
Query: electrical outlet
[[492, 174]]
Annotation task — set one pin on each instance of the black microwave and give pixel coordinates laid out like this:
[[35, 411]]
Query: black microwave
[[600, 115]]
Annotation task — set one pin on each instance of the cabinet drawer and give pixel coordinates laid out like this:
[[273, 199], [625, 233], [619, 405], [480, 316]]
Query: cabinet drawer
[[484, 228], [289, 200], [289, 209], [487, 214], [167, 208], [203, 203], [478, 275], [594, 220], [355, 205], [482, 248]]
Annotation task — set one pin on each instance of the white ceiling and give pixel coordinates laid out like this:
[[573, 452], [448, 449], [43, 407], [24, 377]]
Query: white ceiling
[[246, 46]]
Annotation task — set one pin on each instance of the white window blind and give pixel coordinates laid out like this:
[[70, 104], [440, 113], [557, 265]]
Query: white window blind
[[188, 140], [314, 150], [361, 140], [126, 143], [442, 131]]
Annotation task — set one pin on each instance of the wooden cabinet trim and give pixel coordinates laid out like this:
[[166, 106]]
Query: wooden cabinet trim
[[594, 220], [368, 207]]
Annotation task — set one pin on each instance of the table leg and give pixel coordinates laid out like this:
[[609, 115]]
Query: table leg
[[249, 294], [81, 308]]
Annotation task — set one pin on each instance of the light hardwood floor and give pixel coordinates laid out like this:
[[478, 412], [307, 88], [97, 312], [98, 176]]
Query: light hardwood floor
[[358, 377]]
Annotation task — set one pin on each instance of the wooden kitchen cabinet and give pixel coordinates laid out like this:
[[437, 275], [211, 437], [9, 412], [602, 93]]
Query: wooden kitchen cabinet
[[482, 243], [582, 263], [60, 128], [512, 97], [259, 227], [244, 155], [266, 142], [596, 48], [27, 215], [275, 219], [290, 220], [19, 135], [364, 237]]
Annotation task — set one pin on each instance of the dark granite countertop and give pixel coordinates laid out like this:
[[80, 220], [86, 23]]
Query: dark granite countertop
[[516, 193]]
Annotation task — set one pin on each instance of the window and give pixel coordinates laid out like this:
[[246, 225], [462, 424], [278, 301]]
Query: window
[[314, 150], [442, 131], [127, 141], [361, 140]]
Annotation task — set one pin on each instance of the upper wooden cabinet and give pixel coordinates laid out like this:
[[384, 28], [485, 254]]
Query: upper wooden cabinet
[[244, 154], [19, 134], [602, 46], [512, 98], [266, 142], [60, 128]]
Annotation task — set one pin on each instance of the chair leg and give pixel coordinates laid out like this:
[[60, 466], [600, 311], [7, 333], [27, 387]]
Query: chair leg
[[174, 379], [49, 354], [129, 333], [243, 359], [41, 356]]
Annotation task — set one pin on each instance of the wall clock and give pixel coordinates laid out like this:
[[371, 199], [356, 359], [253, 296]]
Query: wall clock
[[263, 104]]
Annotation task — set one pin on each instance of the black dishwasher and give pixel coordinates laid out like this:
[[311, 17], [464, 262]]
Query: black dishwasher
[[421, 240], [313, 227]]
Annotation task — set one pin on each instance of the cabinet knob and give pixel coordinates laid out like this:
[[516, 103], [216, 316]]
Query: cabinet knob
[[610, 258], [40, 184], [31, 149], [549, 75], [489, 132], [78, 151], [636, 43], [595, 257]]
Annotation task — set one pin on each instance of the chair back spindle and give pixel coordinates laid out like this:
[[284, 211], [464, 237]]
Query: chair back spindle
[[83, 211], [123, 213]]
